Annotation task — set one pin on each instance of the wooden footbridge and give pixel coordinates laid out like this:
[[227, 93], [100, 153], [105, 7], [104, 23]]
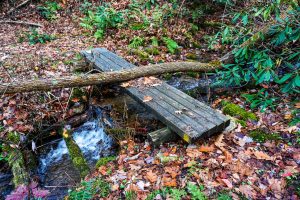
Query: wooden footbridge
[[184, 115]]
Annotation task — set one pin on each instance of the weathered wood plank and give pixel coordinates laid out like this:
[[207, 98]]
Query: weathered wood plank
[[196, 118], [190, 103], [172, 121], [161, 136]]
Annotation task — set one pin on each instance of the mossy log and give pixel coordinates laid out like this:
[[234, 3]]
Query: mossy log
[[104, 78], [16, 160], [75, 153]]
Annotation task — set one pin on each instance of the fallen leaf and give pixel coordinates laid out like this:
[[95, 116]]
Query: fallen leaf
[[227, 183], [173, 171], [152, 177], [147, 98], [125, 84], [248, 191], [169, 182], [262, 155], [206, 148]]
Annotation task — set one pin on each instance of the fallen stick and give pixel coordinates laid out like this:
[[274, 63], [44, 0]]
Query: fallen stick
[[18, 6], [20, 22], [104, 78]]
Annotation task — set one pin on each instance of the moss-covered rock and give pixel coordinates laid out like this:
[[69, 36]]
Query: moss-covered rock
[[75, 153], [260, 135], [16, 160], [104, 161], [238, 112]]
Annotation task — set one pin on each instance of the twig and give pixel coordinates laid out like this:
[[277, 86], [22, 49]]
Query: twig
[[20, 22], [19, 6]]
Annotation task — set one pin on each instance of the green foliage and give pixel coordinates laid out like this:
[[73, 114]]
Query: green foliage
[[3, 156], [196, 192], [104, 161], [88, 189], [130, 195], [261, 136], [49, 11], [34, 37], [236, 111], [224, 196], [103, 18], [85, 6], [136, 42], [275, 58], [261, 100], [177, 194], [170, 44]]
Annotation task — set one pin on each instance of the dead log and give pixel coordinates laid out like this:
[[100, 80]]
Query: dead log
[[161, 136], [20, 22], [104, 78]]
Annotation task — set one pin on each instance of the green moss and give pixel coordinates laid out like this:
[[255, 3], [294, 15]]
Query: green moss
[[104, 161], [16, 160], [152, 51], [192, 56], [193, 74], [238, 112], [261, 136], [76, 155], [141, 54]]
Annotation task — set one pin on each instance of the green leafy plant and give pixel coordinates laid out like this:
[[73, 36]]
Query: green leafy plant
[[224, 196], [130, 195], [104, 161], [89, 189], [35, 37], [136, 42], [272, 60], [49, 11], [261, 99], [177, 194], [85, 7], [170, 44], [196, 192], [103, 18]]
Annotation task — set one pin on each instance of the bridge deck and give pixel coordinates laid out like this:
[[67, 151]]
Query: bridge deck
[[183, 114]]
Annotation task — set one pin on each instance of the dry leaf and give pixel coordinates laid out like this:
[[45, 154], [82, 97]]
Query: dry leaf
[[206, 148], [262, 155], [227, 183], [178, 112], [248, 191], [152, 177], [173, 171], [147, 98], [125, 84], [193, 152], [169, 182]]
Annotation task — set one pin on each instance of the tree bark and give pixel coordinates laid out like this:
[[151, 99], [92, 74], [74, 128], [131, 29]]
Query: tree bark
[[104, 78]]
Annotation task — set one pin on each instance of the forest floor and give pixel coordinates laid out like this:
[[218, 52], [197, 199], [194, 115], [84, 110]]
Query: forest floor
[[230, 164]]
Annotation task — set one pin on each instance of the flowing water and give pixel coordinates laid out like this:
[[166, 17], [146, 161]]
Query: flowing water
[[55, 168]]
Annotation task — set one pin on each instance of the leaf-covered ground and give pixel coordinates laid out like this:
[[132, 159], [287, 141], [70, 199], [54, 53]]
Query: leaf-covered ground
[[232, 163]]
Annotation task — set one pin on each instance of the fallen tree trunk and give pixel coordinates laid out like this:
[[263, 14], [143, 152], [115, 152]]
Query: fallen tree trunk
[[104, 78]]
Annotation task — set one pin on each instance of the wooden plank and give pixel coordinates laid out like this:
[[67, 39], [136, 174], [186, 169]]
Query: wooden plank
[[161, 136], [195, 120], [172, 121], [116, 59], [196, 106], [194, 117]]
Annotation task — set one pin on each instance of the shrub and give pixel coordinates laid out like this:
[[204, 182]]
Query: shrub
[[35, 37], [49, 11], [274, 58]]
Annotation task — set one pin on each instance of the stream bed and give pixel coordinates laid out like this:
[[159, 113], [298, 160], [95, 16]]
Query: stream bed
[[55, 169]]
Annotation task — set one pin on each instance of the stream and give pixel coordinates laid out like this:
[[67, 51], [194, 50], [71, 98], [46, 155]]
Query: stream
[[55, 169]]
